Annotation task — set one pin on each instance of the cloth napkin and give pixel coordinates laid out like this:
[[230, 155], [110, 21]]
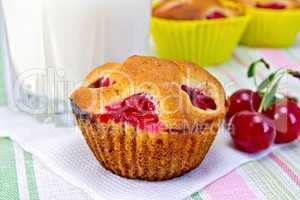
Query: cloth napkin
[[65, 151]]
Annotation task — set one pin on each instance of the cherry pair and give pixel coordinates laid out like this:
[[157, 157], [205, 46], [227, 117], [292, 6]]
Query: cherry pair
[[256, 119]]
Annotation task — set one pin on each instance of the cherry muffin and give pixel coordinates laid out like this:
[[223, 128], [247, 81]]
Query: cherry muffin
[[198, 31], [273, 24], [148, 118], [195, 10], [272, 4]]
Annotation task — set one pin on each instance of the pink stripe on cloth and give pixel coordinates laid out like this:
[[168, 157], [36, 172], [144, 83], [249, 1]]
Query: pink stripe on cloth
[[230, 187], [279, 58], [285, 168]]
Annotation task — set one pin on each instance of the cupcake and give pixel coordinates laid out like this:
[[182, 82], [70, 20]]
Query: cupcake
[[202, 32], [148, 118], [274, 23]]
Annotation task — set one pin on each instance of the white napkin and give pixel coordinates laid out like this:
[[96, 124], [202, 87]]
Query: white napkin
[[65, 152]]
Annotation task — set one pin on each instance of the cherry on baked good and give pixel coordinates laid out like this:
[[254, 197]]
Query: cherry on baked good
[[139, 102], [137, 110], [242, 100], [216, 15], [272, 5], [199, 99], [102, 82], [251, 132], [286, 116]]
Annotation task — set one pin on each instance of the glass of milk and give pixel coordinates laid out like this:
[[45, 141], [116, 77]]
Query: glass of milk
[[53, 44]]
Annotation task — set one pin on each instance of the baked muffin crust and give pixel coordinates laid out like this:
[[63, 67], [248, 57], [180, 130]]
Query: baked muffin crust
[[162, 79], [193, 9]]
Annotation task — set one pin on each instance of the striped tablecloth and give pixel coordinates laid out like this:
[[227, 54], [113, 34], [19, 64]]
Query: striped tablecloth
[[277, 176]]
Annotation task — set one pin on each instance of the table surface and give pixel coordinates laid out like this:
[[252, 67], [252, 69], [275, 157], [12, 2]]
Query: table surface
[[277, 176]]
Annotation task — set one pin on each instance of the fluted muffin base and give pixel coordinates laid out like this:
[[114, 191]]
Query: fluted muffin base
[[146, 156]]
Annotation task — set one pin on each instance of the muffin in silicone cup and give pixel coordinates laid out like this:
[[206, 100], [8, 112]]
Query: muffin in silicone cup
[[202, 32], [148, 118], [273, 24]]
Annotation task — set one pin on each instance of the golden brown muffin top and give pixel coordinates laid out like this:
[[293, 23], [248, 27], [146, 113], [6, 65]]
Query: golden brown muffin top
[[195, 9], [272, 4], [158, 78]]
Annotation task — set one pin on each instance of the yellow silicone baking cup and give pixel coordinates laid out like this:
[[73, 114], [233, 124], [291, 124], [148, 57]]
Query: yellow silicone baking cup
[[271, 28], [204, 42]]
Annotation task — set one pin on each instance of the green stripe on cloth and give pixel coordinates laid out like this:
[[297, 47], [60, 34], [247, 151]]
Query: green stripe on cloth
[[31, 180], [267, 180], [291, 158], [8, 173]]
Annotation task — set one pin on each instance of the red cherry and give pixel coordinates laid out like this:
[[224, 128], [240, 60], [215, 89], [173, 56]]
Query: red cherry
[[242, 100], [114, 107], [286, 116], [215, 15], [102, 82], [139, 102], [272, 5], [137, 110], [104, 118], [199, 99], [252, 132], [204, 102], [133, 101], [105, 82], [146, 119]]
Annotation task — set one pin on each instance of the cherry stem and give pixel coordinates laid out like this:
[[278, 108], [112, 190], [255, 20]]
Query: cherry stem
[[252, 69], [268, 87], [254, 77], [271, 86]]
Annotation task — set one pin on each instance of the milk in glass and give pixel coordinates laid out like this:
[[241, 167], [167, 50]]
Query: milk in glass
[[52, 44]]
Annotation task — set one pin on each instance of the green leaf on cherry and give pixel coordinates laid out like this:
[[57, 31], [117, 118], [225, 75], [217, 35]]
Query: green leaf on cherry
[[252, 68], [267, 89], [270, 97], [266, 82]]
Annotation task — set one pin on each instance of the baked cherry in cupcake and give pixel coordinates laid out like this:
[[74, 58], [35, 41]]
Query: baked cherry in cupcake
[[194, 10], [148, 118], [273, 4]]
